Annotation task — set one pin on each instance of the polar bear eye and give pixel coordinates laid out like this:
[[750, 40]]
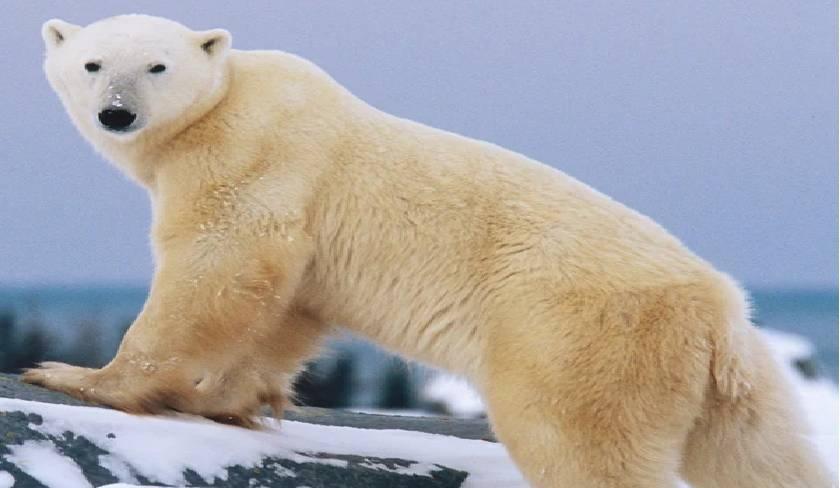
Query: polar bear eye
[[158, 68], [92, 67]]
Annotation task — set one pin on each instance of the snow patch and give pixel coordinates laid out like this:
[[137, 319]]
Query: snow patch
[[42, 461], [126, 485], [788, 347], [117, 467], [6, 479], [415, 469], [820, 402], [455, 394], [284, 472]]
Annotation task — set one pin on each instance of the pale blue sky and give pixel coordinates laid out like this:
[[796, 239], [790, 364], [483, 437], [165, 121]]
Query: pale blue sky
[[718, 119]]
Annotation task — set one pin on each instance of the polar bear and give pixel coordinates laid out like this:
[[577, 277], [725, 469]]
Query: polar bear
[[608, 354]]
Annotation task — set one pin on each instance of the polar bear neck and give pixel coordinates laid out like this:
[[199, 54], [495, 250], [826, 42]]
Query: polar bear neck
[[277, 111]]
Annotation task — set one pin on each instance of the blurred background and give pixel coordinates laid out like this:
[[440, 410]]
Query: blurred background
[[717, 119]]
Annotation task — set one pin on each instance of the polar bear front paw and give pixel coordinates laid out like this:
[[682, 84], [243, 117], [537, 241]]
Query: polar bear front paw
[[98, 386], [72, 380], [235, 399]]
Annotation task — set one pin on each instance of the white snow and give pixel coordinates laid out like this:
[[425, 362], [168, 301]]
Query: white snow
[[455, 393], [126, 485], [787, 347], [6, 479], [820, 402], [117, 467], [818, 398], [41, 460]]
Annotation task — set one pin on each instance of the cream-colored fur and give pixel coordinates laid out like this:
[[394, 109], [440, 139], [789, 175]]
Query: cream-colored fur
[[608, 354]]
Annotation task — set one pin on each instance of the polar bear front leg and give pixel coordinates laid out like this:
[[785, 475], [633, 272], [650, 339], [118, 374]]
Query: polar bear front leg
[[218, 337]]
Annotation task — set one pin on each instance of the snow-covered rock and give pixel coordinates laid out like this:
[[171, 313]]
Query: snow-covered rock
[[69, 446]]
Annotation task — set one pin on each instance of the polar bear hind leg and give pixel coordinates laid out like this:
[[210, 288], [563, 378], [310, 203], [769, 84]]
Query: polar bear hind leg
[[648, 387], [614, 402]]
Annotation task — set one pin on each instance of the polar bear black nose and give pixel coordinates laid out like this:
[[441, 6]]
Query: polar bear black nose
[[116, 119]]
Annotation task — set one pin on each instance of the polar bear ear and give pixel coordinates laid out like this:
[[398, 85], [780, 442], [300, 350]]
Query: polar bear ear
[[56, 31], [214, 42]]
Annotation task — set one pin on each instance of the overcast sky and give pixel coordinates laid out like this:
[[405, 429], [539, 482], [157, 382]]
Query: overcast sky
[[718, 119]]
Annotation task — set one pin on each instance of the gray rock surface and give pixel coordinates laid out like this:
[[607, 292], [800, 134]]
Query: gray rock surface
[[17, 427]]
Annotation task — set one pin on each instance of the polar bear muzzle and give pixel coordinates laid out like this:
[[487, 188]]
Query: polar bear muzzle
[[121, 110]]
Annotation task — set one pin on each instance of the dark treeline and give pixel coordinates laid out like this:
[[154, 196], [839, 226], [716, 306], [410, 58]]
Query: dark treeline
[[332, 384], [18, 349], [24, 345]]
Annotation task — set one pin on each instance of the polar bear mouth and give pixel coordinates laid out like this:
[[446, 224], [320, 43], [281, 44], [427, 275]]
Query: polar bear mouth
[[117, 119]]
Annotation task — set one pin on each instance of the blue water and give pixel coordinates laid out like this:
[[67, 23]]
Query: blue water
[[59, 310]]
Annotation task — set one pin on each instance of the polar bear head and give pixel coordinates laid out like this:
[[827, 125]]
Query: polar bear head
[[131, 75]]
